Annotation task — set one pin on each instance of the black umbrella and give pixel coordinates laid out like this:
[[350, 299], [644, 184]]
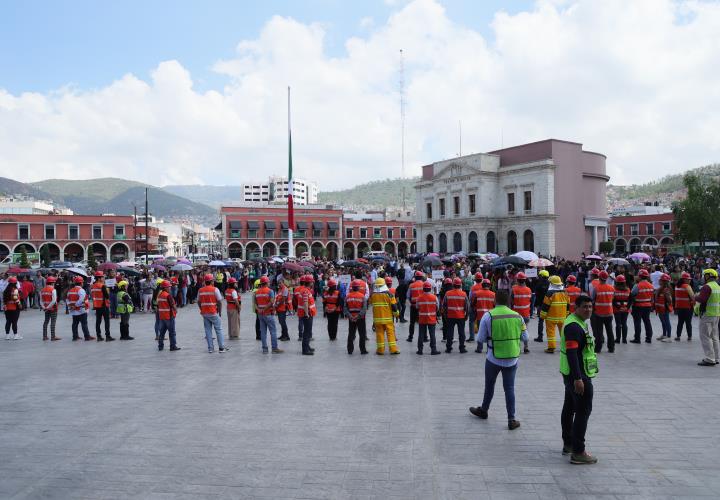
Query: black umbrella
[[354, 263], [510, 259], [129, 271]]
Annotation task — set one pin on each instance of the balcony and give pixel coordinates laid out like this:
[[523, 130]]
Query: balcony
[[120, 237]]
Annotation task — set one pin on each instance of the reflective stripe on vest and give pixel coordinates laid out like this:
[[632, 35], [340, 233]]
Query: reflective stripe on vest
[[588, 355], [455, 303], [330, 301], [427, 309], [712, 308], [46, 297], [98, 297], [207, 300], [73, 296], [573, 293], [644, 297], [484, 301], [163, 306], [682, 297], [604, 294], [264, 302], [521, 300], [505, 332], [354, 302], [230, 300], [416, 290], [382, 308], [621, 298]]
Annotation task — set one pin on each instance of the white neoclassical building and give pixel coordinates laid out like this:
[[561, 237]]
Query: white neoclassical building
[[547, 197]]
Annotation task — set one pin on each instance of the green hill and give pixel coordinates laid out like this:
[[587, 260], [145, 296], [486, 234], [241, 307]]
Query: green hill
[[104, 188], [380, 194], [214, 196], [665, 189], [10, 187]]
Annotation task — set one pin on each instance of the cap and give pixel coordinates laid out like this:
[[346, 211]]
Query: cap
[[78, 279], [643, 273], [685, 276], [98, 274], [457, 282], [572, 279], [427, 286], [520, 276], [555, 280], [543, 274], [603, 275], [264, 280], [231, 280], [665, 277], [620, 279], [208, 277], [478, 276]]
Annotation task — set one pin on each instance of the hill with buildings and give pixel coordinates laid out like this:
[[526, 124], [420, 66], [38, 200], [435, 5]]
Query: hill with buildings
[[375, 194]]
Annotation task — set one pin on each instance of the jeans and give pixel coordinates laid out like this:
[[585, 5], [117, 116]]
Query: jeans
[[307, 323], [102, 314], [267, 322], [684, 318], [168, 325], [300, 328], [621, 327], [508, 375], [451, 322], [80, 319], [184, 296], [210, 322], [642, 314], [113, 303], [360, 327], [422, 333], [575, 414], [282, 319], [665, 322]]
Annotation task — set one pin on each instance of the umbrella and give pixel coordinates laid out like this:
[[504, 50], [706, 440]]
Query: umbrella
[[433, 254], [126, 263], [129, 271], [540, 263], [431, 260], [307, 263], [181, 267], [617, 261], [593, 257], [510, 259], [77, 270], [216, 263], [107, 266], [184, 261], [16, 270], [277, 259], [293, 267], [60, 265], [491, 256], [354, 263], [362, 261], [526, 255], [640, 256], [159, 267]]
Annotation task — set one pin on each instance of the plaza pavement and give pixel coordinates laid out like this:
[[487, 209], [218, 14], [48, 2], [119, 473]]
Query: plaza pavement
[[122, 420]]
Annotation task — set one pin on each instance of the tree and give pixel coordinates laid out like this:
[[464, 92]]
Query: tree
[[45, 255], [696, 216], [92, 263], [606, 246], [24, 263]]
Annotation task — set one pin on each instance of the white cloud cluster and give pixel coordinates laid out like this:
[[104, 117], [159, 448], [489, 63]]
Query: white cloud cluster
[[637, 81]]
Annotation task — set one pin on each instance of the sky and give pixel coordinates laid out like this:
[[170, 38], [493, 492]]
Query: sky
[[182, 92]]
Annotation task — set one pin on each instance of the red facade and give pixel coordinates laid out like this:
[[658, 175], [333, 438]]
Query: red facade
[[632, 233]]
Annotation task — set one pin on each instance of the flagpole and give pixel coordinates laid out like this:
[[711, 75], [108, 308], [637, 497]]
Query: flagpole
[[291, 215]]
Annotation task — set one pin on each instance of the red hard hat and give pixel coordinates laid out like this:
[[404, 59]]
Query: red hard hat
[[486, 282], [99, 274], [620, 279], [685, 276], [643, 273], [231, 280], [520, 276], [427, 286], [595, 271], [78, 279], [665, 277], [603, 275], [166, 284], [309, 278], [12, 279], [572, 279], [332, 282], [173, 279], [388, 280], [478, 276], [264, 280], [208, 277], [356, 283], [447, 281], [51, 279], [457, 282], [419, 274]]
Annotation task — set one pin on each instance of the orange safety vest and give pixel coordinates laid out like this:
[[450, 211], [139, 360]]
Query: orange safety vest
[[621, 298], [163, 306], [475, 289], [594, 283], [521, 300], [264, 301], [46, 298], [304, 295], [354, 302], [484, 302], [645, 294], [682, 297], [573, 293], [281, 301], [297, 293], [98, 298], [230, 300], [330, 301], [427, 309], [604, 294], [455, 301], [416, 290], [73, 296], [660, 305], [392, 292], [14, 302], [207, 300]]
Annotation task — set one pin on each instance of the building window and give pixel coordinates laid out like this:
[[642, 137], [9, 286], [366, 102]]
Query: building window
[[441, 202], [120, 231], [456, 205], [528, 241], [349, 233], [49, 231], [332, 233], [633, 229], [269, 233], [512, 242], [235, 232], [619, 229], [666, 228], [403, 233], [23, 232], [471, 204], [511, 203], [490, 242], [317, 233], [390, 233], [442, 243], [472, 241], [457, 242], [377, 232], [363, 232], [414, 233], [650, 228], [428, 208], [97, 232], [528, 201], [73, 232]]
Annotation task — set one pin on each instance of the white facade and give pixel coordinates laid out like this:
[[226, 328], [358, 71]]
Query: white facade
[[19, 206], [275, 190], [448, 222]]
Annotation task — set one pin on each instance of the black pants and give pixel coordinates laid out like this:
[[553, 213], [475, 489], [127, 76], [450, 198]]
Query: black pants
[[360, 327], [642, 314], [307, 322], [51, 319], [11, 320], [422, 333], [401, 304], [80, 319], [413, 319], [332, 324], [282, 319], [575, 414], [604, 322], [257, 326], [450, 334], [102, 314], [621, 328], [684, 318]]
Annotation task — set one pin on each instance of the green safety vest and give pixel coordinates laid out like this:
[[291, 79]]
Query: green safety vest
[[589, 357], [505, 332], [123, 308], [712, 308]]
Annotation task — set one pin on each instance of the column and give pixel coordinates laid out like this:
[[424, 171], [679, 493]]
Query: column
[[594, 240]]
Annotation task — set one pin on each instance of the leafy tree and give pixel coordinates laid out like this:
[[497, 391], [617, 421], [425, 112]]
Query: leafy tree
[[696, 216], [45, 255], [92, 263], [606, 246], [24, 262]]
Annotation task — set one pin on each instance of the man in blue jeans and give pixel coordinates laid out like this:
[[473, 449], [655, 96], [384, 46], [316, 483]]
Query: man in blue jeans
[[210, 304], [503, 329], [264, 299]]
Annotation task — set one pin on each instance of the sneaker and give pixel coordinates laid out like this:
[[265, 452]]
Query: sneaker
[[538, 339], [677, 339], [8, 336], [265, 350], [513, 424], [550, 350], [666, 339], [582, 458], [660, 337], [210, 351], [566, 449], [224, 349], [17, 336], [526, 350], [479, 412], [277, 351], [175, 348], [705, 362]]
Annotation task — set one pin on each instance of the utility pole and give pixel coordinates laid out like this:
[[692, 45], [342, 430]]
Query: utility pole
[[147, 233], [460, 134], [135, 229]]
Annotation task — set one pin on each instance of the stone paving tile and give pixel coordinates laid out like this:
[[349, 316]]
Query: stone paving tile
[[120, 420]]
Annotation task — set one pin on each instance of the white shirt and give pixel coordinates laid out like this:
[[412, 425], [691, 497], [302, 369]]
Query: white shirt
[[53, 301], [655, 278], [80, 304]]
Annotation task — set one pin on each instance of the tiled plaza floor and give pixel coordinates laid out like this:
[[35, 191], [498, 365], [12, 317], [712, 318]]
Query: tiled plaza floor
[[121, 420]]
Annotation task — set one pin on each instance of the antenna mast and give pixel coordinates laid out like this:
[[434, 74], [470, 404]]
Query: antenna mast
[[402, 124], [460, 134]]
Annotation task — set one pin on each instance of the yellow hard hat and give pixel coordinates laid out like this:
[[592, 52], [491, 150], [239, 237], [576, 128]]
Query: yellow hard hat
[[543, 274], [711, 272], [123, 284], [555, 280], [256, 283], [380, 282], [159, 281]]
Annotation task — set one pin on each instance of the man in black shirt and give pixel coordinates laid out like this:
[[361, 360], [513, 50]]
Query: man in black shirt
[[578, 365]]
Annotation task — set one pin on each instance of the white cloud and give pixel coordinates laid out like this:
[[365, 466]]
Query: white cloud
[[638, 81]]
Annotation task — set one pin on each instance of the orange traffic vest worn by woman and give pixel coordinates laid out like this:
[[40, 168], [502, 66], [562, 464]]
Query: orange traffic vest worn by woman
[[46, 297]]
